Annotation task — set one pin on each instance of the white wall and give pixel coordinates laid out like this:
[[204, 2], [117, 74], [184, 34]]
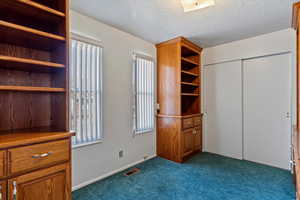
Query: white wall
[[97, 161], [267, 44]]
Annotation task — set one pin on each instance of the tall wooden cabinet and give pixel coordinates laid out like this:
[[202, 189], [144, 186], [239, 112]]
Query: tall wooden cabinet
[[35, 142], [179, 121]]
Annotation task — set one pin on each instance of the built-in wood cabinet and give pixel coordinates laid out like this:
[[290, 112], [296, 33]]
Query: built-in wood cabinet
[[179, 97], [35, 141], [41, 170]]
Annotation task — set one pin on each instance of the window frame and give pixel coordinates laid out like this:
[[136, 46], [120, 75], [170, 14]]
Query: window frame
[[134, 86], [92, 41]]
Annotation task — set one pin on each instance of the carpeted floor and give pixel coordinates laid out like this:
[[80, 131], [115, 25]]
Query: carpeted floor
[[204, 177]]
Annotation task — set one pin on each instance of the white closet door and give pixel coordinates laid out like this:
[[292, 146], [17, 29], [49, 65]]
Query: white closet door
[[223, 104], [267, 106]]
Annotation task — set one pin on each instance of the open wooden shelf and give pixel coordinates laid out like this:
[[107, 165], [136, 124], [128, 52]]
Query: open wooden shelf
[[187, 51], [190, 84], [26, 64], [32, 9], [190, 94], [189, 73], [30, 89], [189, 62], [28, 37]]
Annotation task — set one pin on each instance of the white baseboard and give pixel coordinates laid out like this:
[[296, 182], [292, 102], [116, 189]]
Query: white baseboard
[[110, 173]]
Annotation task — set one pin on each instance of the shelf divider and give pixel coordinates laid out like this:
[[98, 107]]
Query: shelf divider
[[190, 73], [190, 94], [42, 7], [30, 89], [190, 84], [30, 30], [189, 61], [10, 61]]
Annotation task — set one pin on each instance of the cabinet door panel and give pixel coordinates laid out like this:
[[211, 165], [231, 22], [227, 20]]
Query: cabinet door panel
[[48, 184], [188, 142], [2, 163], [3, 190], [198, 139]]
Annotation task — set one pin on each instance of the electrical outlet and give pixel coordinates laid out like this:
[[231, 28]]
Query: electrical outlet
[[121, 154]]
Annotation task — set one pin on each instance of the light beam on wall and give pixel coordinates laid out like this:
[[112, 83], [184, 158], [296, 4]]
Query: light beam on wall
[[191, 5]]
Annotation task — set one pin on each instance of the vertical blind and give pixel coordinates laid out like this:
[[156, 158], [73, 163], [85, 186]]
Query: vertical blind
[[86, 92], [144, 94]]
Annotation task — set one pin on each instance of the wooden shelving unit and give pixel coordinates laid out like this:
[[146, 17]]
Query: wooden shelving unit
[[179, 96], [34, 63], [35, 140]]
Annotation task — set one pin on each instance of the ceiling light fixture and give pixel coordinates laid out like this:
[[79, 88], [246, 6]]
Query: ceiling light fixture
[[191, 5]]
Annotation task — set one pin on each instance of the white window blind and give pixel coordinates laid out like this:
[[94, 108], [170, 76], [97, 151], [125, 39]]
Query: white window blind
[[86, 92], [144, 94]]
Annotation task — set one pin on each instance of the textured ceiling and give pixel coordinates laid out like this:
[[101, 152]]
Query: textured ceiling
[[160, 20]]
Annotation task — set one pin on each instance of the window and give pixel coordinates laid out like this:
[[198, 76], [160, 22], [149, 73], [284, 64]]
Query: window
[[143, 94], [85, 91]]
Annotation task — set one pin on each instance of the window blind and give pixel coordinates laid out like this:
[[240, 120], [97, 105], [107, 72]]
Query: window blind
[[86, 92], [144, 94]]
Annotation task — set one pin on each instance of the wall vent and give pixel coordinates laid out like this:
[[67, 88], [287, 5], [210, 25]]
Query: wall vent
[[132, 172]]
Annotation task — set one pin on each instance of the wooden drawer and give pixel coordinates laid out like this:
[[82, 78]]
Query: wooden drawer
[[197, 121], [187, 123], [37, 156], [2, 163]]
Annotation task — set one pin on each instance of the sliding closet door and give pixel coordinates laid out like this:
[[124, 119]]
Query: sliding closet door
[[267, 106], [223, 104]]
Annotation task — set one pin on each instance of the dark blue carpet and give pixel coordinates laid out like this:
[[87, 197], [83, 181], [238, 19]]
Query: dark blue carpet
[[204, 177]]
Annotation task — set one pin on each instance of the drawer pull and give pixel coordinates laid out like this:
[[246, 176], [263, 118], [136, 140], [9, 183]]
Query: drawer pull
[[15, 190], [42, 155]]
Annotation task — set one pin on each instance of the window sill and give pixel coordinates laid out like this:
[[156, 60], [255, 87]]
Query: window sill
[[143, 132], [86, 144]]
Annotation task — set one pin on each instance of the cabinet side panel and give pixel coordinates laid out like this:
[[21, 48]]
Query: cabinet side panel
[[169, 76], [168, 138]]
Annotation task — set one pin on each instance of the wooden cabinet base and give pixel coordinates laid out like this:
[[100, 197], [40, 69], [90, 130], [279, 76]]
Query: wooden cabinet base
[[176, 143], [36, 170]]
